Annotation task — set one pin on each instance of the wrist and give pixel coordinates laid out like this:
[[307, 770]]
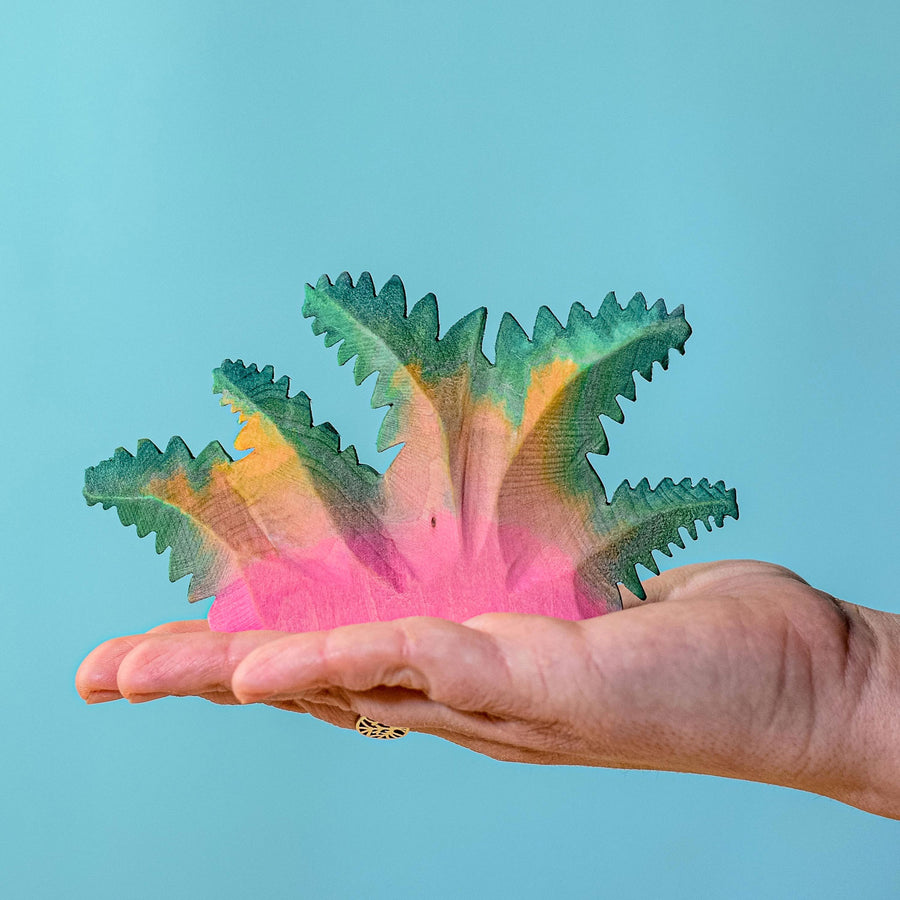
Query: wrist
[[863, 757]]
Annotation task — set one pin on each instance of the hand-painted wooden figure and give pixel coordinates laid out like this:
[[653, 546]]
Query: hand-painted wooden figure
[[491, 505]]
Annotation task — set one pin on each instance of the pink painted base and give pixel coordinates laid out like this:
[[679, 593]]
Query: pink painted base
[[329, 586]]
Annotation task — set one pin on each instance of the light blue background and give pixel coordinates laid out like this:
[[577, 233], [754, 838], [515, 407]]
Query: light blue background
[[172, 174]]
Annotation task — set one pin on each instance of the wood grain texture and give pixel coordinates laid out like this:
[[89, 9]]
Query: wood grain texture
[[490, 505]]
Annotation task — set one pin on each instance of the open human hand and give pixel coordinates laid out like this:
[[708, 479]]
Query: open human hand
[[739, 669]]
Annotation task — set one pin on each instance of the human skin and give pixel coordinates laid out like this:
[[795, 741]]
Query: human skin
[[738, 669]]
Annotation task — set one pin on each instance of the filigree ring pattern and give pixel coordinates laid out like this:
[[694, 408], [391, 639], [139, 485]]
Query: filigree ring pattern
[[371, 728]]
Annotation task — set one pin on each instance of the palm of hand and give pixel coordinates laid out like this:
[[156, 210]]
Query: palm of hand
[[729, 668], [726, 643]]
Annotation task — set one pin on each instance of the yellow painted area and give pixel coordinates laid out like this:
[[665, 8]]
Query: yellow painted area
[[274, 483], [544, 388], [263, 500], [469, 442], [272, 450], [411, 372]]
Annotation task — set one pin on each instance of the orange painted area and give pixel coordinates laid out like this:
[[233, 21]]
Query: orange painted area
[[545, 387], [259, 504], [467, 482], [276, 486], [271, 451]]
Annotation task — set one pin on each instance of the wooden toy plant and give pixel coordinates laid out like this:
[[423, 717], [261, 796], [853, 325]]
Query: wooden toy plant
[[490, 506]]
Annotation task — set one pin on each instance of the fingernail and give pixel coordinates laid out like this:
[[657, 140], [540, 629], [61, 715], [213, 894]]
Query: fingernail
[[143, 698], [245, 697], [247, 689], [102, 696]]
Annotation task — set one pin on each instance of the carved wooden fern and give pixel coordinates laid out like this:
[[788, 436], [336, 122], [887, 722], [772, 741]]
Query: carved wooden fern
[[490, 505]]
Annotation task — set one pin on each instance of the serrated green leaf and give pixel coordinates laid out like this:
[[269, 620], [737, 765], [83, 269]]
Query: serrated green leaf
[[131, 484], [640, 519]]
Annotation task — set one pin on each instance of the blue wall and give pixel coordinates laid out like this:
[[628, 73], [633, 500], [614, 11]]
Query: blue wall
[[170, 176]]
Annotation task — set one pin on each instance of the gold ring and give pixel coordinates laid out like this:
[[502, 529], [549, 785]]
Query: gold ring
[[371, 728]]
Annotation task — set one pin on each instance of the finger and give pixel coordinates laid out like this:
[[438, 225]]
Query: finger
[[414, 710], [491, 737], [344, 711], [220, 698], [394, 706], [446, 661], [408, 709], [197, 663], [400, 708], [95, 680], [341, 718]]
